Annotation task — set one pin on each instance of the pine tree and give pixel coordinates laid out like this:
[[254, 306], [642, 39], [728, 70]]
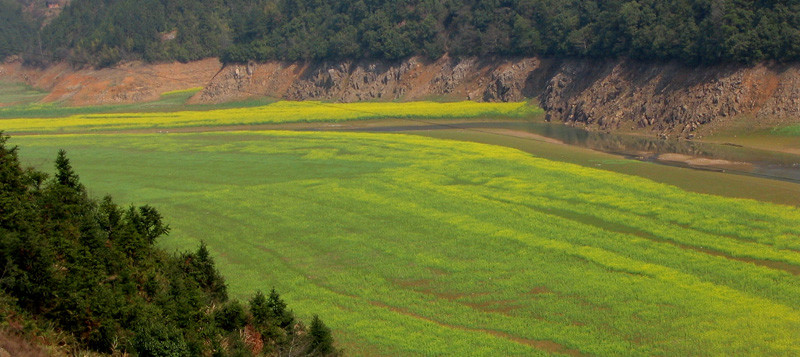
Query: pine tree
[[321, 339], [64, 174], [259, 309], [278, 314]]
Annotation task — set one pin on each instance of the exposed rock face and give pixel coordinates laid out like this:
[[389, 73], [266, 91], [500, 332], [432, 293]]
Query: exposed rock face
[[412, 79], [665, 98], [668, 98]]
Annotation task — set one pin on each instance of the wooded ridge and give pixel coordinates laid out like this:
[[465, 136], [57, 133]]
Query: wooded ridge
[[104, 32]]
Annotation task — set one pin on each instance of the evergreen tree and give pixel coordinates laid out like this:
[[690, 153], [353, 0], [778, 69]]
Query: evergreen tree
[[278, 314], [321, 339], [231, 316], [259, 310], [64, 174]]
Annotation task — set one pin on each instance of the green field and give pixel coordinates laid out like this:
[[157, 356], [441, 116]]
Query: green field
[[18, 94], [791, 130], [409, 245]]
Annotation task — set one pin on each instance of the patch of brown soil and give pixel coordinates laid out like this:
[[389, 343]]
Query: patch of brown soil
[[504, 307], [704, 162], [524, 135], [540, 290], [12, 344], [125, 83]]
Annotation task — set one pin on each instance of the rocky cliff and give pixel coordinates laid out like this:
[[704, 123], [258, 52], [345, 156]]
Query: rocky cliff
[[412, 79], [665, 98], [662, 98], [668, 98]]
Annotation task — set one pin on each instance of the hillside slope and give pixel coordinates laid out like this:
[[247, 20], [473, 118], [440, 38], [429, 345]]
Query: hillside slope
[[662, 98]]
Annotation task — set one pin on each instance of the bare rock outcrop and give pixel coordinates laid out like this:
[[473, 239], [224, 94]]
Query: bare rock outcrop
[[668, 98], [349, 81]]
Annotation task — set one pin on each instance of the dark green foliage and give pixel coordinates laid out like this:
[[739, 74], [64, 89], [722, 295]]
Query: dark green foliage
[[278, 328], [158, 339], [17, 29], [91, 269], [231, 316], [104, 32], [70, 259], [200, 266], [277, 313], [321, 339], [693, 31], [259, 309], [270, 317], [64, 174]]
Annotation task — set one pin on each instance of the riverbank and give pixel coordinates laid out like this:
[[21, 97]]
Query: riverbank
[[661, 99]]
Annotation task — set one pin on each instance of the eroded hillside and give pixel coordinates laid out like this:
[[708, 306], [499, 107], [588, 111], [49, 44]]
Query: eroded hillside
[[662, 98]]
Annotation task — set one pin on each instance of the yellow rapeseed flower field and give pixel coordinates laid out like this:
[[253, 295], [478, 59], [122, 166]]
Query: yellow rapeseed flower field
[[276, 113]]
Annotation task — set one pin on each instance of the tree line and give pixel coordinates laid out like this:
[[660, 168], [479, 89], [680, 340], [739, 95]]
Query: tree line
[[90, 270], [104, 32], [17, 29]]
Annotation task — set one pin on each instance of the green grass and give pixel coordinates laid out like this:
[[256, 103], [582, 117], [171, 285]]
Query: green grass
[[18, 94], [408, 245], [792, 130]]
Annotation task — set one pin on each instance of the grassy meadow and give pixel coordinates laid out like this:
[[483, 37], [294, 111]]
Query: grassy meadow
[[791, 130], [274, 113], [18, 94], [407, 245]]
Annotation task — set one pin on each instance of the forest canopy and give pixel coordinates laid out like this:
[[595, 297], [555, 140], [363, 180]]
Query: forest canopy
[[89, 271], [103, 32]]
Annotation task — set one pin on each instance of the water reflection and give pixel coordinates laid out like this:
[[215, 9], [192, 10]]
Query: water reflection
[[723, 157]]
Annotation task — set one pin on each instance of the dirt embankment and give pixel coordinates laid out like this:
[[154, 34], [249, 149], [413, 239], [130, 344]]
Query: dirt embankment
[[662, 98], [127, 83]]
